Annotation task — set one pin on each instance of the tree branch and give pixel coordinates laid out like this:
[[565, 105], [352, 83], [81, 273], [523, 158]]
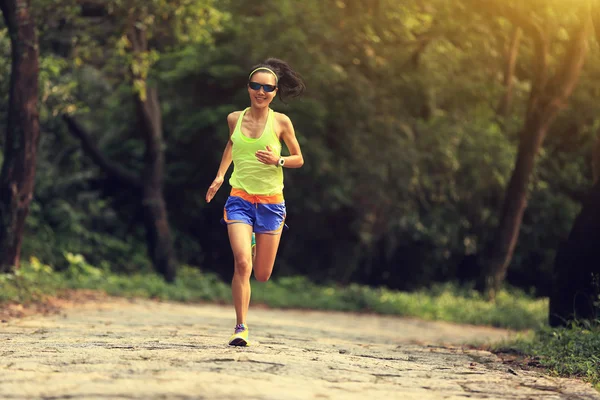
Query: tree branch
[[6, 8], [93, 8], [563, 83], [509, 72], [596, 20], [89, 147], [532, 29]]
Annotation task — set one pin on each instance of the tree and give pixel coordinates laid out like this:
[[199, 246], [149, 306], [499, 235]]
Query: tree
[[548, 95], [22, 133], [576, 278], [140, 31], [150, 182]]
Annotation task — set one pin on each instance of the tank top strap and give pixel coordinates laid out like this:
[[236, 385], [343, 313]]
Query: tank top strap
[[271, 123], [238, 124]]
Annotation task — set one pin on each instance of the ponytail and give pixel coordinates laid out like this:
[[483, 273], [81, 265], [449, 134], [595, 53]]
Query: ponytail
[[289, 82]]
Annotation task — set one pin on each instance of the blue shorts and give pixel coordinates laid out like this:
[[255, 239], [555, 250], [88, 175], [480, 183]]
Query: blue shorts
[[260, 212]]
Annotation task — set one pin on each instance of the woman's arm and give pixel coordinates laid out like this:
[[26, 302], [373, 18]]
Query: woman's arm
[[225, 160], [295, 159]]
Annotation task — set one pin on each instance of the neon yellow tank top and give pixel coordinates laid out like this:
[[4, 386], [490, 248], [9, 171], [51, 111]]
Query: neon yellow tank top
[[249, 174]]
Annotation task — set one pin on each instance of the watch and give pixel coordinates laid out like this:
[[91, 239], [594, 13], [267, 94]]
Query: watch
[[281, 161]]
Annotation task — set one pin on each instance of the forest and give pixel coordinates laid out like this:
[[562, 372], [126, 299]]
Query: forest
[[443, 141]]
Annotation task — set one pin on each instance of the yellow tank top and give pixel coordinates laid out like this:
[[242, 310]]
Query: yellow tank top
[[249, 174]]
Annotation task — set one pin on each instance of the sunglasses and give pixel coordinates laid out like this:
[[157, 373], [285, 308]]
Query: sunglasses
[[257, 86]]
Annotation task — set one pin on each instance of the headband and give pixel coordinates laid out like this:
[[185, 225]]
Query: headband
[[266, 69]]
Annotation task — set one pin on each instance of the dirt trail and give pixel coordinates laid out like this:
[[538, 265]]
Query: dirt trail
[[119, 349]]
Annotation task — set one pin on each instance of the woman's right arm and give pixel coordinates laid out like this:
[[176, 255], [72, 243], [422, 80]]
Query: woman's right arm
[[225, 160]]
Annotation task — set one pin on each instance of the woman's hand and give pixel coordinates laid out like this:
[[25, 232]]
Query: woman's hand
[[267, 156], [212, 190]]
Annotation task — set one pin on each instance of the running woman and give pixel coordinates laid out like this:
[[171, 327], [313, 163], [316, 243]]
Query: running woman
[[255, 208]]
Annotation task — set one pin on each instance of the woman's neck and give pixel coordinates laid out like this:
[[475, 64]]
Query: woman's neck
[[259, 114]]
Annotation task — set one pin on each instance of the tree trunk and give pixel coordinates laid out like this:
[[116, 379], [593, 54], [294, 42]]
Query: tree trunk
[[509, 72], [160, 244], [22, 134], [596, 159], [576, 280], [514, 206], [596, 149], [158, 234], [546, 100]]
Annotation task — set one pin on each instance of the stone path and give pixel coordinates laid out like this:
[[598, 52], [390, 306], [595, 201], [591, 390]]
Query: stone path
[[118, 349]]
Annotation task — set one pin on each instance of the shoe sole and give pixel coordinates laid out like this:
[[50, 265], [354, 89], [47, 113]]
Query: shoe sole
[[238, 342]]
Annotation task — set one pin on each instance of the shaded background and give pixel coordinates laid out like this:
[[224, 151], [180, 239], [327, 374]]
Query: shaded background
[[407, 153]]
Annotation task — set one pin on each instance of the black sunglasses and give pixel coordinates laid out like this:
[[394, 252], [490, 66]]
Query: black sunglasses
[[257, 86]]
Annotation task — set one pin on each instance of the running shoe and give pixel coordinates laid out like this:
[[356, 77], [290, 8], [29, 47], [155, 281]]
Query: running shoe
[[240, 336]]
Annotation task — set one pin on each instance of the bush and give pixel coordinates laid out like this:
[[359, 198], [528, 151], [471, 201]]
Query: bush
[[448, 302]]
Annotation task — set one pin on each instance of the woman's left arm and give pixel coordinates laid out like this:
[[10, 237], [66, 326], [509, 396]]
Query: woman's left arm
[[295, 159]]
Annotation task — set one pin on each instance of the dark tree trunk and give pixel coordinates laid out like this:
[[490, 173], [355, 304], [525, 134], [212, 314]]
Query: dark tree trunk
[[22, 134], [546, 100], [513, 207], [596, 150], [596, 159], [160, 244], [576, 279]]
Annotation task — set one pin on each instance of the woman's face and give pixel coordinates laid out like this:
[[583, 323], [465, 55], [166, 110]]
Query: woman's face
[[259, 97]]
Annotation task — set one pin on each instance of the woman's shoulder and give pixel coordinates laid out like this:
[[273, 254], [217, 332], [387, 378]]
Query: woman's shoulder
[[233, 117], [282, 118]]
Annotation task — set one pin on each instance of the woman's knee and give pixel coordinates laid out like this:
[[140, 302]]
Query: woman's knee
[[262, 274], [243, 267]]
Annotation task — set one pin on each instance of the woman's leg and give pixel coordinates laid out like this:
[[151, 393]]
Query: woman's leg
[[267, 245], [240, 236]]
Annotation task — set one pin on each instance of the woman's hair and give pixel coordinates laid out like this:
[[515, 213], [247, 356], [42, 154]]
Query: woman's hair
[[289, 82]]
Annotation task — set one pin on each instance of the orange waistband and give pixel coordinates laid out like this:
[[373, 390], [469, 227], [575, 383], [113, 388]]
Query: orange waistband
[[258, 198]]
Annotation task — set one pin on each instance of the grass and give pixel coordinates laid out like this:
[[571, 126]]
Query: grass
[[567, 352], [445, 302], [35, 280], [512, 309]]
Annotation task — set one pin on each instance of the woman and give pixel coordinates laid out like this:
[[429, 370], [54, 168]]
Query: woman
[[256, 205]]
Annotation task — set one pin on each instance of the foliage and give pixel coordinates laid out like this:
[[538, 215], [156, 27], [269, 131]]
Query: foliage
[[570, 352], [446, 302], [31, 283], [513, 309], [406, 159]]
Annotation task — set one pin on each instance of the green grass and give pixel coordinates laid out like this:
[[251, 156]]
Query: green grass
[[512, 309], [35, 280], [446, 302], [567, 352]]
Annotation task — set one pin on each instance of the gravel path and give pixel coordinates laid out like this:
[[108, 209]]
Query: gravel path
[[120, 349]]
